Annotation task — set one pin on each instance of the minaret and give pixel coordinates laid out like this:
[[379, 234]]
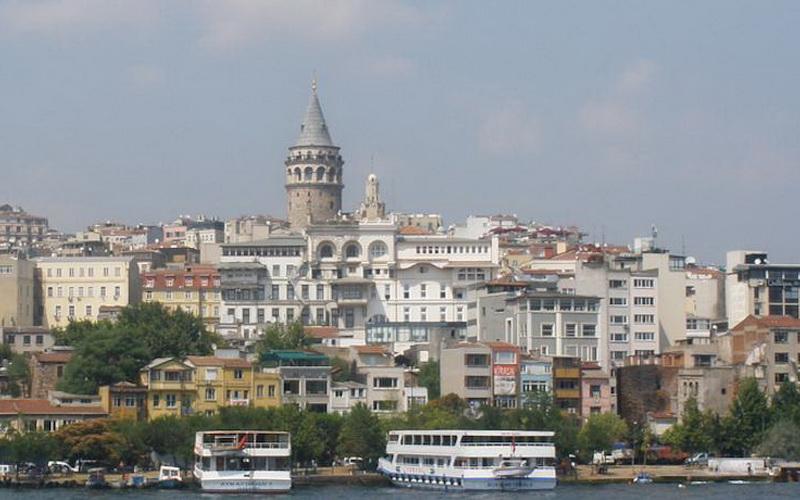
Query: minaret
[[313, 171], [372, 208]]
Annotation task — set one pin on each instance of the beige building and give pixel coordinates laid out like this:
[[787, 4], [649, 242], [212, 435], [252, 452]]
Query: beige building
[[466, 370], [75, 288], [16, 291]]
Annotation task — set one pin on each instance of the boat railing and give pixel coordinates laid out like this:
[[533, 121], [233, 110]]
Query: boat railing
[[236, 446], [505, 443]]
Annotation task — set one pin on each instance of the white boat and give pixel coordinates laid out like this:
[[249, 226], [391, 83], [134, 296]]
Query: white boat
[[470, 460], [243, 461], [169, 477]]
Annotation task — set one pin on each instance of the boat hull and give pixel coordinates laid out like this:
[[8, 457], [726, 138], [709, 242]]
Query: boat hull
[[540, 479], [244, 483]]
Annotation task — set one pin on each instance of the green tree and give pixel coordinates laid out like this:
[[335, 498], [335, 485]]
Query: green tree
[[782, 440], [107, 357], [166, 333], [308, 443], [342, 371], [748, 419], [429, 378], [600, 432], [278, 337], [93, 440], [694, 432], [361, 435], [18, 374], [173, 436], [786, 403], [34, 447]]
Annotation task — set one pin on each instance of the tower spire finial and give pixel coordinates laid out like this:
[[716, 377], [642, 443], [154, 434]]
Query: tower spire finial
[[314, 82]]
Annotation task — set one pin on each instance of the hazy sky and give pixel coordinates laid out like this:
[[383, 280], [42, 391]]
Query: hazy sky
[[609, 115]]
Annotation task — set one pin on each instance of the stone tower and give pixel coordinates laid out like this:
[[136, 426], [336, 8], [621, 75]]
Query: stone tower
[[372, 208], [313, 171]]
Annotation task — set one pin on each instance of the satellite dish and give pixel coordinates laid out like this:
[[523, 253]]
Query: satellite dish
[[758, 261]]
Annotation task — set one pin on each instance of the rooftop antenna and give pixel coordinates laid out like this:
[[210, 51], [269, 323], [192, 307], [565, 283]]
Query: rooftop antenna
[[683, 245]]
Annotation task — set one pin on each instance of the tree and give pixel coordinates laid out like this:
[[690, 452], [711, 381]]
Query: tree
[[18, 374], [782, 440], [342, 370], [786, 403], [278, 337], [107, 357], [748, 419], [429, 378], [361, 435], [694, 432], [34, 447], [600, 432], [308, 443], [92, 440], [166, 333]]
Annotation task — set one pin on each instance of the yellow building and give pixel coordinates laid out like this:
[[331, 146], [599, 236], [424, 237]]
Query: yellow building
[[193, 289], [75, 288], [203, 384], [124, 400], [16, 291], [171, 388]]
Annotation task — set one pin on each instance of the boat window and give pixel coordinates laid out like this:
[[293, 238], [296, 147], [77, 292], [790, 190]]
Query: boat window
[[426, 440], [437, 440], [417, 439], [428, 461], [393, 438]]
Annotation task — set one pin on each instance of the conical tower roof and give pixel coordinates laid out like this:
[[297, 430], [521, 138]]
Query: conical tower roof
[[314, 130]]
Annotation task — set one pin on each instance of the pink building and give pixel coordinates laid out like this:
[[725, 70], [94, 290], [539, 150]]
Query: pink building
[[596, 394]]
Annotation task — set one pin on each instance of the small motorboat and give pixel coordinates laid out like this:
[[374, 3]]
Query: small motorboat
[[97, 478], [512, 467], [643, 478], [169, 477]]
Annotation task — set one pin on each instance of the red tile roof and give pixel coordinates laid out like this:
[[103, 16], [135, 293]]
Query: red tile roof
[[768, 322], [501, 346], [370, 349], [53, 357], [215, 361], [45, 407], [322, 332], [413, 230]]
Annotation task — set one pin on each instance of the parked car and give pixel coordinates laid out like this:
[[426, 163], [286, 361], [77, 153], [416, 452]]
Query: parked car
[[603, 458], [699, 459]]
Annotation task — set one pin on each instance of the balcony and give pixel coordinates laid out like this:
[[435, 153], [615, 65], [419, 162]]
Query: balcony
[[567, 373], [567, 393]]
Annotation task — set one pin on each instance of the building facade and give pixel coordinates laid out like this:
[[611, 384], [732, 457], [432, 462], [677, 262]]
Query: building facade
[[194, 289], [75, 288], [17, 304]]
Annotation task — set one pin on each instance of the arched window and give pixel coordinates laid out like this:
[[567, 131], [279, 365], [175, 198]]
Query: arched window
[[298, 174], [309, 172], [377, 249], [352, 250], [325, 251], [320, 174], [331, 174]]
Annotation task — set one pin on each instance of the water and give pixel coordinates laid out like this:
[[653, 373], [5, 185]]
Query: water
[[721, 491]]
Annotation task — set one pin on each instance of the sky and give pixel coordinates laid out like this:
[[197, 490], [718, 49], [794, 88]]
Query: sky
[[610, 115]]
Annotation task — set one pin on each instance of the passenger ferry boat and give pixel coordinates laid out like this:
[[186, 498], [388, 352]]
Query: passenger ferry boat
[[243, 461], [470, 460]]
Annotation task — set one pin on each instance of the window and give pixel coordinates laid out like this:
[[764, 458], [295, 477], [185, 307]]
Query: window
[[781, 358], [460, 313], [643, 283], [781, 337], [619, 337], [406, 314], [570, 329], [275, 292], [276, 270], [617, 301], [588, 330], [238, 374], [618, 319], [211, 394], [443, 314], [617, 284], [156, 400], [352, 251], [423, 291], [304, 292], [171, 400], [377, 249], [619, 355], [643, 301], [49, 291], [289, 292], [88, 310], [645, 336], [320, 292], [406, 291], [505, 357], [384, 382], [387, 292], [644, 319], [423, 314], [442, 291], [117, 292], [547, 329]]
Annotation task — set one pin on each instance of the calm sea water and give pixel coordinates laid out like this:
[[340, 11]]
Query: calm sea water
[[722, 491]]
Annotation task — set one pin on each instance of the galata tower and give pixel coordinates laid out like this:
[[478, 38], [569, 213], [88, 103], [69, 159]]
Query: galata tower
[[313, 171]]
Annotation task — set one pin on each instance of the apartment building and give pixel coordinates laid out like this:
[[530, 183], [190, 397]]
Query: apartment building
[[596, 391], [203, 384], [754, 286], [191, 288], [43, 415], [19, 229], [466, 371], [567, 384], [75, 288], [767, 348], [124, 400], [305, 377], [547, 323], [27, 340], [536, 376], [345, 395], [17, 289]]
